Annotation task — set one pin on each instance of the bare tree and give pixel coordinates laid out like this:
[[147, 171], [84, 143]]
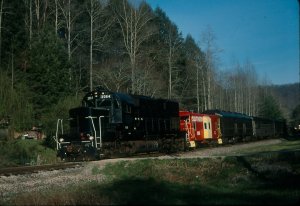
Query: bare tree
[[37, 13], [12, 65], [98, 30], [3, 11], [41, 7], [174, 42], [147, 77], [66, 8], [36, 16], [251, 88], [134, 24], [56, 15], [112, 74], [199, 67], [29, 20], [241, 88], [1, 18], [211, 51], [200, 83]]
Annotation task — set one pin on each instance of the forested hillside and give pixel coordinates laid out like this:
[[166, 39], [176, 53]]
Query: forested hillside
[[52, 51], [288, 96]]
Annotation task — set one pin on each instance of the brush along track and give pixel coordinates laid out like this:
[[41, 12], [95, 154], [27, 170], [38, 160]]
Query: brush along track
[[33, 183], [20, 170], [199, 152]]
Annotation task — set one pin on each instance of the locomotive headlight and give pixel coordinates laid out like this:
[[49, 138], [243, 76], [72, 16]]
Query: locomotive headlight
[[61, 139], [90, 137]]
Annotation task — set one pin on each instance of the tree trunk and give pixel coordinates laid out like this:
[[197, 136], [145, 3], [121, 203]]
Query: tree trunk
[[1, 16], [197, 89], [91, 47]]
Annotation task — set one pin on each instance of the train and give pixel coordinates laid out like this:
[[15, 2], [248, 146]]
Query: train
[[112, 123]]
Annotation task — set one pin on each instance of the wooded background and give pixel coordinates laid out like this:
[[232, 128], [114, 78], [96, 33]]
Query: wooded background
[[53, 51]]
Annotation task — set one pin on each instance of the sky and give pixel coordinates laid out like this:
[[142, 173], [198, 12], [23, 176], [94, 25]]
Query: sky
[[264, 32]]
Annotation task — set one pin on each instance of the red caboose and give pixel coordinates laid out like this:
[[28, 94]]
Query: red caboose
[[200, 128]]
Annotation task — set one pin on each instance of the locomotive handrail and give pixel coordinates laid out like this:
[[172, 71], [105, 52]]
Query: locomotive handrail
[[56, 134], [190, 134], [95, 134], [100, 129], [57, 143]]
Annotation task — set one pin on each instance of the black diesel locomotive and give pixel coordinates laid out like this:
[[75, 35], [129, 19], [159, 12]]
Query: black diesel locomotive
[[110, 123]]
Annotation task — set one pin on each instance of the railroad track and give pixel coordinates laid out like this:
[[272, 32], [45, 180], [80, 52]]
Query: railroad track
[[20, 170]]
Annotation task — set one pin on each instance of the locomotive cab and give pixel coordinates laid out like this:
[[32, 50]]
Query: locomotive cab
[[105, 100]]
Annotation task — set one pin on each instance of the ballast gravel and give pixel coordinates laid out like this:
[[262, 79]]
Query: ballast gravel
[[43, 180]]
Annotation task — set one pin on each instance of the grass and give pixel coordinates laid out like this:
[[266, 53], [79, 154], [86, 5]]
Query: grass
[[269, 178], [283, 146], [25, 152], [222, 181]]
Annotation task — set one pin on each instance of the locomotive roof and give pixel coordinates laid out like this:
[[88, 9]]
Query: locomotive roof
[[124, 97], [131, 99], [228, 114]]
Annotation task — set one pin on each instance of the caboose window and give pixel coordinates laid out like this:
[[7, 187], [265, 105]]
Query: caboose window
[[194, 125]]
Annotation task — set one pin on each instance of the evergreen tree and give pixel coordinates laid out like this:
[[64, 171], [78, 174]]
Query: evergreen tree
[[192, 84], [269, 108], [296, 113], [47, 75], [15, 104], [169, 53]]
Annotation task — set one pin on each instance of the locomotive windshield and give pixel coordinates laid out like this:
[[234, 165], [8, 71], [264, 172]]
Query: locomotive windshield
[[96, 99], [103, 103]]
